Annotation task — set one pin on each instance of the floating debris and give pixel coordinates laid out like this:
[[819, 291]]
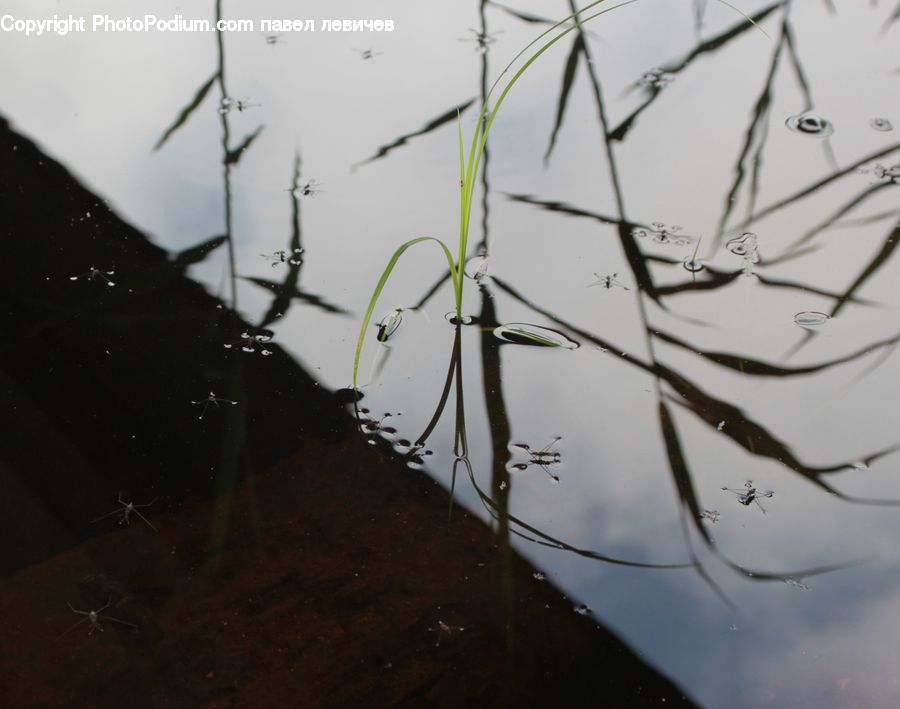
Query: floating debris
[[860, 465], [656, 78], [525, 334], [538, 576], [477, 268], [388, 325], [712, 515], [747, 247], [882, 124], [608, 282], [662, 234], [250, 343], [582, 609], [544, 458], [744, 245], [503, 485], [811, 318], [369, 425], [810, 124], [720, 426], [211, 399], [95, 274], [279, 257], [749, 494], [796, 583], [416, 455]]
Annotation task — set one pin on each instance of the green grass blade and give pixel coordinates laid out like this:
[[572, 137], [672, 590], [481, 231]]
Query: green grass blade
[[745, 16], [454, 275], [532, 337], [469, 180], [527, 64], [514, 60], [479, 140], [463, 210]]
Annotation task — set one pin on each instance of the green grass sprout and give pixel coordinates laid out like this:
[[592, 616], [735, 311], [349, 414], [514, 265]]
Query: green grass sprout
[[470, 164], [468, 171]]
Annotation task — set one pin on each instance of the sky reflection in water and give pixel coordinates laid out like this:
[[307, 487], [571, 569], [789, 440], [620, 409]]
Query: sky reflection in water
[[684, 383]]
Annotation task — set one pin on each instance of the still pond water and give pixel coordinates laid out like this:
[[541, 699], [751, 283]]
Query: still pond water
[[704, 214]]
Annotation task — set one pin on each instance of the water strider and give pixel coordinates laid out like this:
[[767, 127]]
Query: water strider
[[749, 495], [544, 458], [95, 274], [608, 282], [252, 343], [294, 257]]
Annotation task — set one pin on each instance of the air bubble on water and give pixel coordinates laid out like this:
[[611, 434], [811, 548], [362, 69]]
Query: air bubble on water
[[694, 265], [747, 247], [454, 319], [796, 583], [882, 124], [810, 124], [810, 318], [477, 268], [743, 245]]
